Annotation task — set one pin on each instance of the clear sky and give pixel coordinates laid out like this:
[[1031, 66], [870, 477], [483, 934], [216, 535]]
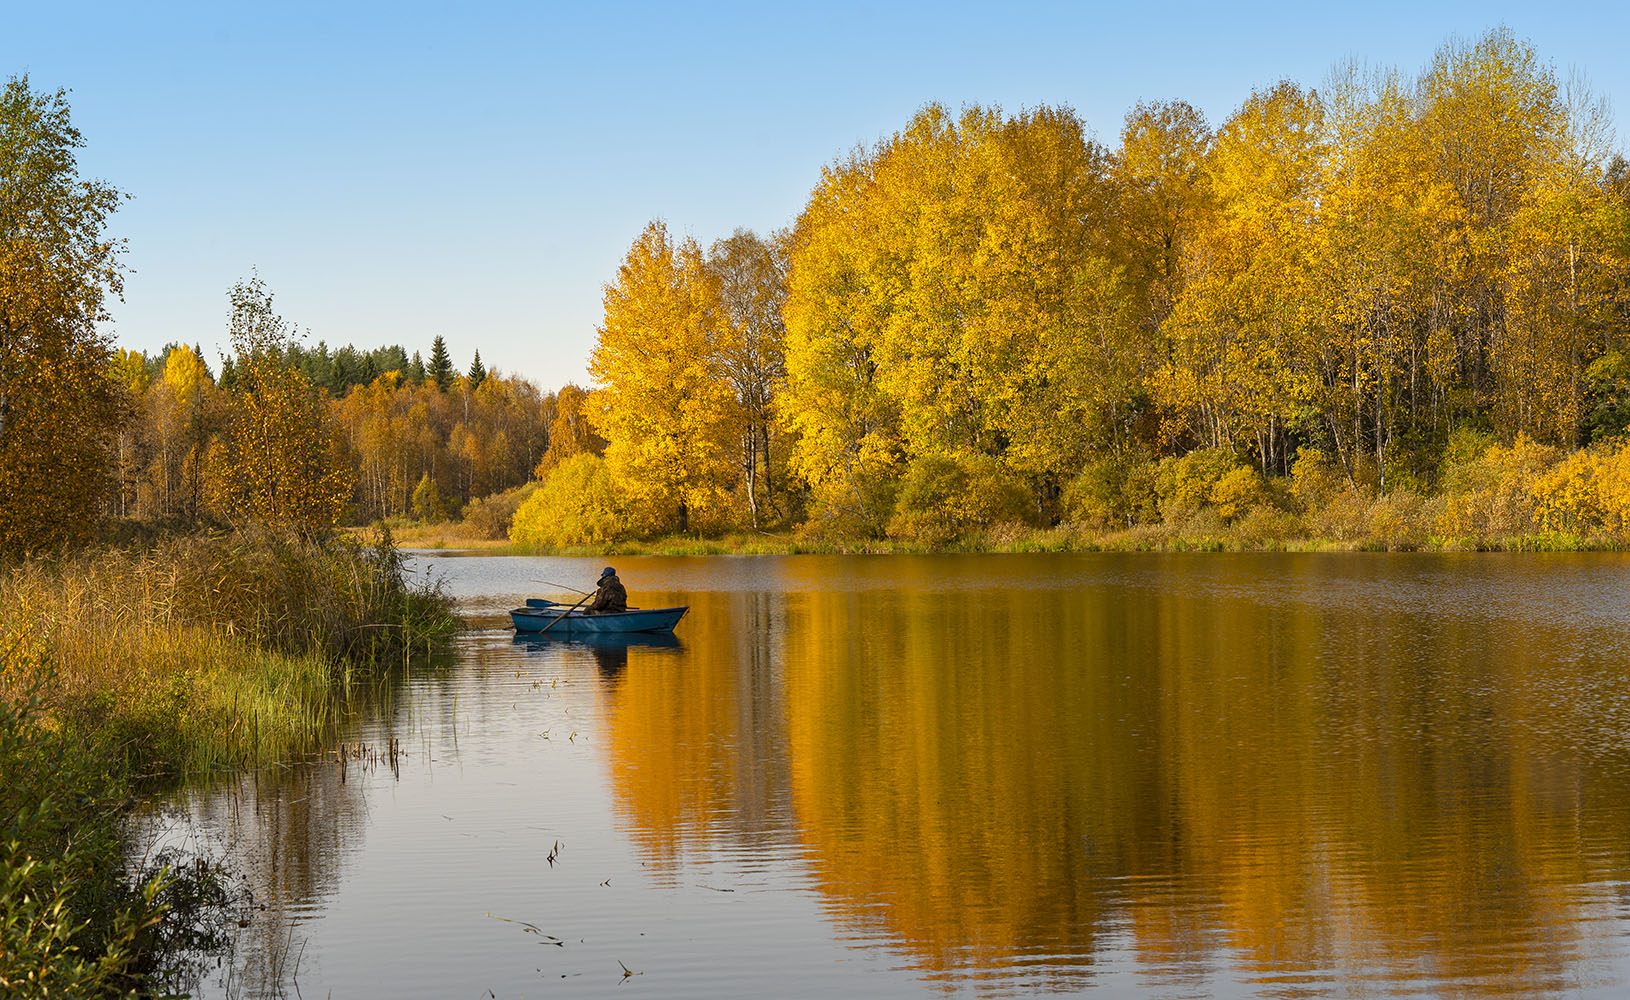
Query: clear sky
[[399, 170]]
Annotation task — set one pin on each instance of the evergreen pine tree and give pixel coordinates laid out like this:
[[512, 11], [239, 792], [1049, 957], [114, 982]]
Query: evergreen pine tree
[[440, 370], [339, 373], [478, 372], [200, 352], [415, 370]]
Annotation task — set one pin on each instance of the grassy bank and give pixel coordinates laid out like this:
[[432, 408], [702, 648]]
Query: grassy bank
[[127, 667], [448, 535], [1008, 538]]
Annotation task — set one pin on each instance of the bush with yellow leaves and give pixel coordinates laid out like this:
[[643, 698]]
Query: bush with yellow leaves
[[576, 505], [1587, 493], [1494, 494]]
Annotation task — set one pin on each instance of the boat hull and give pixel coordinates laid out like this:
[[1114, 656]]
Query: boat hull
[[578, 623]]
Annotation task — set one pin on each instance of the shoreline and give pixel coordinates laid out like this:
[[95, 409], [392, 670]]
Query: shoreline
[[1155, 539]]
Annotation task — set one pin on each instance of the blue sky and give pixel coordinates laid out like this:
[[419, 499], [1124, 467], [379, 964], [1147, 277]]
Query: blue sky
[[400, 170]]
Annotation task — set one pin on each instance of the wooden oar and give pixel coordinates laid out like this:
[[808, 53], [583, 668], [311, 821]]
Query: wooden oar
[[562, 618]]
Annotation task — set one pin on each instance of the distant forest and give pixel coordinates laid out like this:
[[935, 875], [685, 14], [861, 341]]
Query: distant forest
[[398, 435]]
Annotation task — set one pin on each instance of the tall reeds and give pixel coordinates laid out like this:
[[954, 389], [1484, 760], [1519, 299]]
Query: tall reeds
[[204, 651]]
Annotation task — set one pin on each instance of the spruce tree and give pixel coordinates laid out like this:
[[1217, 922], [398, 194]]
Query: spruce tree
[[478, 372], [415, 370], [440, 370]]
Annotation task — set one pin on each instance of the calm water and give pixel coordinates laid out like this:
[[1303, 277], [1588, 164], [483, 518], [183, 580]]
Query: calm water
[[1166, 776]]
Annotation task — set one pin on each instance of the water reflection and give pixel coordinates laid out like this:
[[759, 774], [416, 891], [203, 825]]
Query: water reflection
[[1317, 794], [609, 650], [697, 751], [1286, 776]]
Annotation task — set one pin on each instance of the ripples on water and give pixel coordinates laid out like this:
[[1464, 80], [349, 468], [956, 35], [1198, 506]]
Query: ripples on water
[[1217, 775]]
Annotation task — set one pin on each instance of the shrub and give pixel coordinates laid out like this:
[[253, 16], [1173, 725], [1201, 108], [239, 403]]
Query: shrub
[[77, 919], [575, 505], [1190, 482], [491, 516], [1399, 520], [995, 495], [68, 926], [1314, 479], [1236, 492], [1494, 493], [1267, 526], [931, 507], [1097, 496], [942, 499], [1461, 453], [1344, 517], [1142, 498], [857, 500], [1587, 492]]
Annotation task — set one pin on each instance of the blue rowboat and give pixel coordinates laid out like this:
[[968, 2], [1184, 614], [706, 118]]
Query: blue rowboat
[[540, 614]]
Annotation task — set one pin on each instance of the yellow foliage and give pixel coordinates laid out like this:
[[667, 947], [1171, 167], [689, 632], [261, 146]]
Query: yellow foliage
[[1587, 493], [280, 461], [58, 407], [1208, 477], [185, 373], [1399, 520], [943, 499], [1236, 492], [569, 433], [577, 504], [664, 406], [129, 369], [1496, 493], [1313, 479]]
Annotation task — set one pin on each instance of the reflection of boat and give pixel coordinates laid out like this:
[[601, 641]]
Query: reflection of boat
[[599, 640], [609, 649], [540, 614]]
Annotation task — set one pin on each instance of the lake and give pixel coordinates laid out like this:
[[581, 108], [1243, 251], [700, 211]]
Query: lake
[[1147, 775]]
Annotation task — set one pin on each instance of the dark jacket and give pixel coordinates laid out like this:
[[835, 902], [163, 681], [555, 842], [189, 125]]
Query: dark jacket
[[609, 596]]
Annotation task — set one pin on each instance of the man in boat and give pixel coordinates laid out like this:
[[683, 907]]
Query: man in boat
[[609, 595]]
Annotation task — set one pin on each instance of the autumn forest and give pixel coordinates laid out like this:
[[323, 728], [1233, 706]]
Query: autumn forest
[[1391, 310], [1388, 310]]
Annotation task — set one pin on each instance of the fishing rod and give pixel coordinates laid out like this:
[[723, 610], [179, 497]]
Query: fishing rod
[[562, 586]]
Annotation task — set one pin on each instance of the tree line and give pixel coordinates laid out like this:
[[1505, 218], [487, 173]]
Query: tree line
[[297, 432], [1361, 290], [992, 317]]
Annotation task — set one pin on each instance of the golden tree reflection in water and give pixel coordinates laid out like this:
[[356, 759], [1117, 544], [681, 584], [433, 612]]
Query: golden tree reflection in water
[[1014, 783]]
